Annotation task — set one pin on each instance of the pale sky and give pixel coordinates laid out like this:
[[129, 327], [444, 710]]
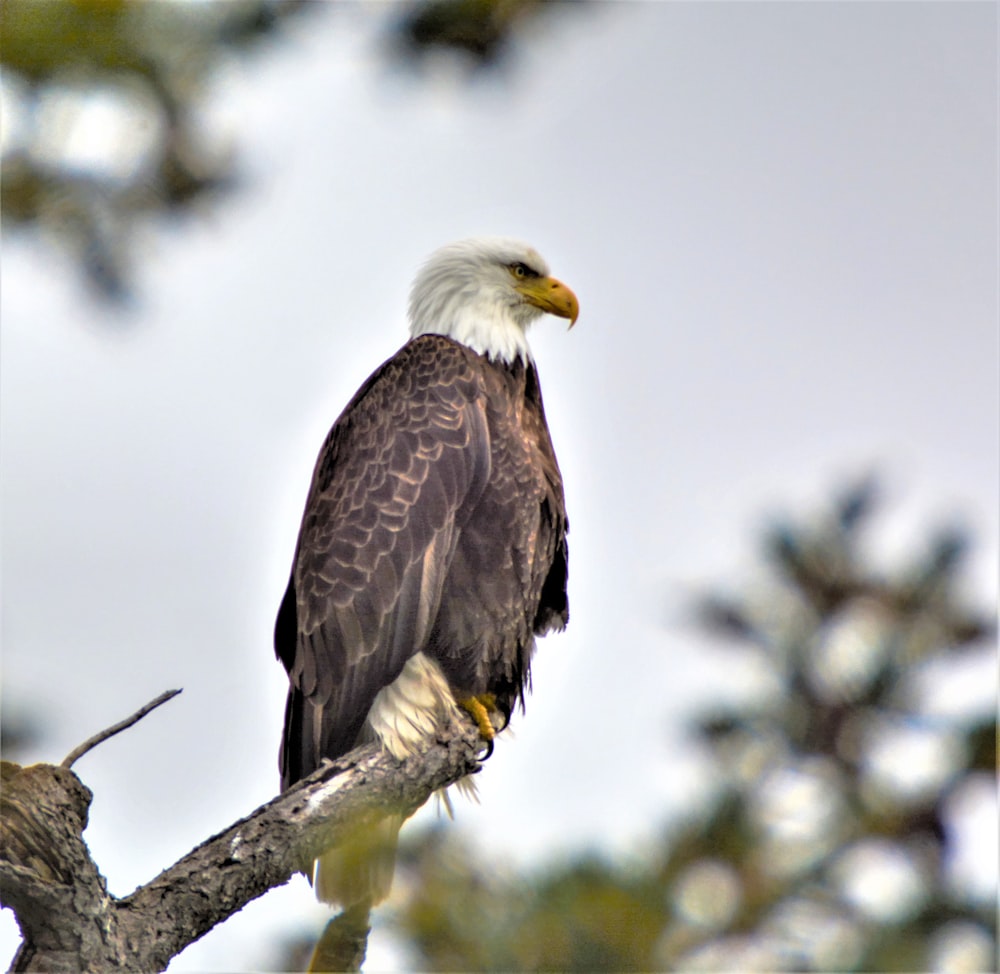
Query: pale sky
[[781, 223]]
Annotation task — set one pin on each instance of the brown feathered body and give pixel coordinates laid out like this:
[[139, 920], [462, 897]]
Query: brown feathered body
[[433, 541]]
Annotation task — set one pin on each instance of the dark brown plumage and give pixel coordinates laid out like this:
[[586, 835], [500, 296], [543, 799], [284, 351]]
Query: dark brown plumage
[[433, 545], [435, 523]]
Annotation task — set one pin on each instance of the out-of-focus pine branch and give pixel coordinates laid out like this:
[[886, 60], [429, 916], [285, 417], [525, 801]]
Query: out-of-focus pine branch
[[103, 104], [838, 787]]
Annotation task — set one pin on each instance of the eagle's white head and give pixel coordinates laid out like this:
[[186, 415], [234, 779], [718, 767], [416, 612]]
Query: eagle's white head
[[484, 292]]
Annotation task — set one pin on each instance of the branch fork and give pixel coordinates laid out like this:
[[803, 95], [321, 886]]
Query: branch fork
[[70, 922]]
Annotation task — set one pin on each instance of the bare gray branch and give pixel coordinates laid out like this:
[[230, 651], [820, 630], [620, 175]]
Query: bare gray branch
[[70, 922], [80, 750]]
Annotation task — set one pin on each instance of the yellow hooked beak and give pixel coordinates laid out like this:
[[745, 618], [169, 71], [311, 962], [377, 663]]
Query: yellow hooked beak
[[552, 296]]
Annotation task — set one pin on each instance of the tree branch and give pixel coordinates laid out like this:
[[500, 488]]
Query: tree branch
[[67, 918], [92, 742]]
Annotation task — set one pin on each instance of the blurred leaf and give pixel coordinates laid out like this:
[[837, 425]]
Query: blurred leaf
[[857, 503], [482, 29], [106, 97]]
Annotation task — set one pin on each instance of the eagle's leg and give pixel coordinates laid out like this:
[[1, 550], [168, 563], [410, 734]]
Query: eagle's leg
[[480, 708]]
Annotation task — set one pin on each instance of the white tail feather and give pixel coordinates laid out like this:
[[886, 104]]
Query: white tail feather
[[402, 717]]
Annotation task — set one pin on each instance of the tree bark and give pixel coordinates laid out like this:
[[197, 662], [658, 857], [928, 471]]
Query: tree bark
[[68, 920]]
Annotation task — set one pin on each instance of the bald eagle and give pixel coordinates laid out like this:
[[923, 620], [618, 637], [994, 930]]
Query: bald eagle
[[432, 550]]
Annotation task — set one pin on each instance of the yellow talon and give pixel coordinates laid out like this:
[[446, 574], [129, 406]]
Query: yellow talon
[[480, 707]]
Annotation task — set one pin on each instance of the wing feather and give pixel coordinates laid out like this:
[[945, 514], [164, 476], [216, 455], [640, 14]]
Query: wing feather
[[398, 470]]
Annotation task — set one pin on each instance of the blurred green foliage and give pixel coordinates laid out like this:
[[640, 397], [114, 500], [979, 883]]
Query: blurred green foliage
[[104, 123], [830, 839], [481, 29]]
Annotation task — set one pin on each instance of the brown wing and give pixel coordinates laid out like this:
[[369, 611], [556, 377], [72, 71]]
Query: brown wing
[[507, 580], [405, 459], [552, 550]]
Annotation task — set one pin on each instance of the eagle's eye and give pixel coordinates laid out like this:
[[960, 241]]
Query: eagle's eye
[[522, 271]]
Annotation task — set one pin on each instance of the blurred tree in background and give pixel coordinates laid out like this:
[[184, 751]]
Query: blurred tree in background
[[831, 841], [104, 102]]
